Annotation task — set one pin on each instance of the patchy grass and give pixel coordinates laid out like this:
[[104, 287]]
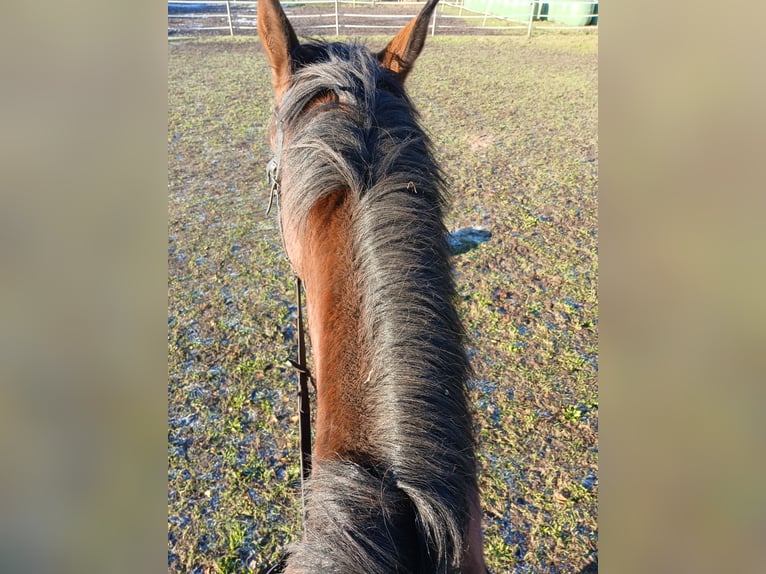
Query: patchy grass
[[514, 124]]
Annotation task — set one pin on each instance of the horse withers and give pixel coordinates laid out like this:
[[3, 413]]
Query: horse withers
[[393, 485]]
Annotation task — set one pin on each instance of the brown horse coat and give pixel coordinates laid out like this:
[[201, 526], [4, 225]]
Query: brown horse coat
[[393, 486]]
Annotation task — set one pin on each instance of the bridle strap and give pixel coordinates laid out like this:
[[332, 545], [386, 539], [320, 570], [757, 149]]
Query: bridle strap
[[273, 175], [303, 400]]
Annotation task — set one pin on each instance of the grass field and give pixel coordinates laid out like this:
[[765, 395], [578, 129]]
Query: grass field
[[514, 123]]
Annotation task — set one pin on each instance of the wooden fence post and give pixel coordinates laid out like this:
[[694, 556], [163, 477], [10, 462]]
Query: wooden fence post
[[433, 24], [228, 13], [337, 26], [531, 17], [486, 13]]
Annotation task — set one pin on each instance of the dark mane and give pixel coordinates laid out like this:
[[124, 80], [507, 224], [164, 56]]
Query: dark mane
[[407, 511]]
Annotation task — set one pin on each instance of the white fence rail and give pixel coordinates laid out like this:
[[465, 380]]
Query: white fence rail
[[187, 17]]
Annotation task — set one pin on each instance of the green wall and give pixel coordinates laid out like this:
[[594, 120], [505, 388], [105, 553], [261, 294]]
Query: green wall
[[568, 12]]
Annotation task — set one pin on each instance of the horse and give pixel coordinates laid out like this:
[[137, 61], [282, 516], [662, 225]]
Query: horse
[[393, 485]]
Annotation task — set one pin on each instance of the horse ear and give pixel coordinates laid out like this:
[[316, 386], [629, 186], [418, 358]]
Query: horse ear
[[279, 40], [400, 54]]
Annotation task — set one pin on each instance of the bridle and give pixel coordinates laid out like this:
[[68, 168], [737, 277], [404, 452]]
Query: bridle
[[273, 178]]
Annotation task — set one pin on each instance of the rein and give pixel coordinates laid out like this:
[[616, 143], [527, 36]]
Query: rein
[[273, 176], [304, 376]]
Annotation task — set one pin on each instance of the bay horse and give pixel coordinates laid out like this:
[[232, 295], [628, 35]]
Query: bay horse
[[393, 485]]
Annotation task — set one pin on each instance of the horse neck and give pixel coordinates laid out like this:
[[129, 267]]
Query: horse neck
[[334, 302]]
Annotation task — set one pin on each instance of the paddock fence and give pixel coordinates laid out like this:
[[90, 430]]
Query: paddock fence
[[348, 17]]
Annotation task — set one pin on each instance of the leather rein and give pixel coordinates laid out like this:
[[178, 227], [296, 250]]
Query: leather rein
[[273, 177]]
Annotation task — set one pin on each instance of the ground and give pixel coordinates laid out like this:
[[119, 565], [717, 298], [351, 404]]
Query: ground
[[514, 122]]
